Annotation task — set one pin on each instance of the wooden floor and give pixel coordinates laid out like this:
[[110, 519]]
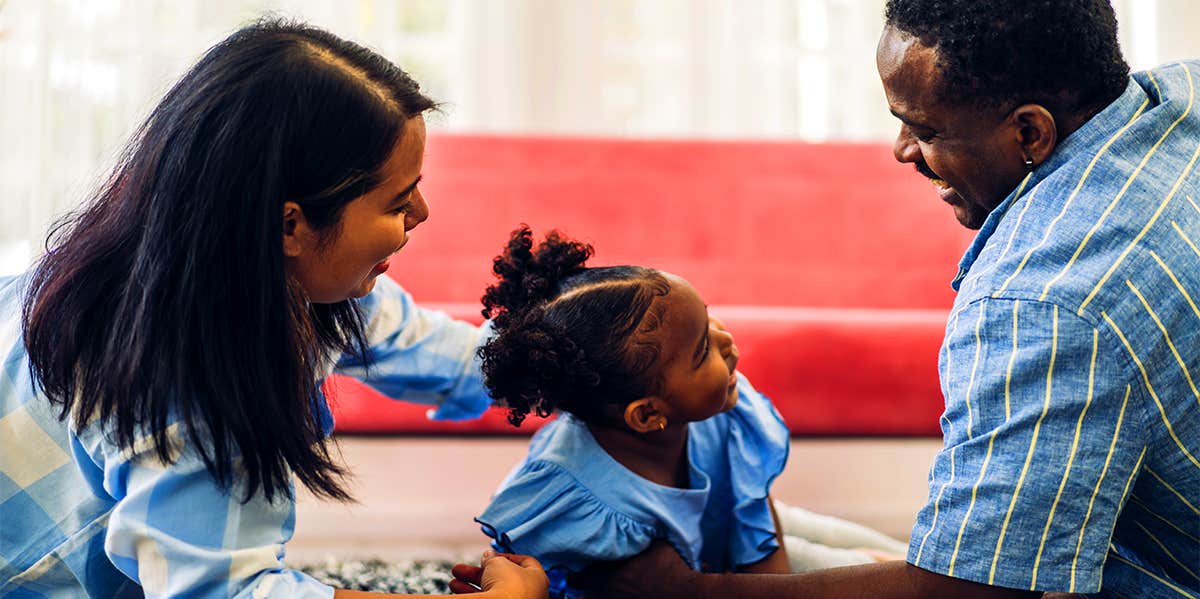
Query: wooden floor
[[417, 495]]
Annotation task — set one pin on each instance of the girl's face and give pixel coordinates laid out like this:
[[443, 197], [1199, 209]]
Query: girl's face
[[372, 228], [698, 357]]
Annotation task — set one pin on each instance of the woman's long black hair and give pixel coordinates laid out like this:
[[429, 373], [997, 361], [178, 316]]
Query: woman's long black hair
[[166, 295]]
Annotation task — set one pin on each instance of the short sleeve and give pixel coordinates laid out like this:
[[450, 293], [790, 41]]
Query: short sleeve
[[1042, 442], [543, 511], [757, 447], [420, 355], [177, 533]]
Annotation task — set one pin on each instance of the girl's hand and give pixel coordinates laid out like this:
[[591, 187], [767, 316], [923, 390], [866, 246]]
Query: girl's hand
[[502, 576]]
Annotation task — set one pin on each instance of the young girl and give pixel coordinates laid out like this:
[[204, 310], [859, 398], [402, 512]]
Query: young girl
[[659, 436]]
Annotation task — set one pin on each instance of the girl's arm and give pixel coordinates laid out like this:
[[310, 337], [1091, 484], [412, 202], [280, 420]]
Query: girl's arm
[[776, 563]]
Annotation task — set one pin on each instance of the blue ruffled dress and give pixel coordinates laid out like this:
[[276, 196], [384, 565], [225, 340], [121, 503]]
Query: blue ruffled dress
[[570, 504]]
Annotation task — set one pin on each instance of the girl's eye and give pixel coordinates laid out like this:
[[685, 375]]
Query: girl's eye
[[400, 210], [703, 353]]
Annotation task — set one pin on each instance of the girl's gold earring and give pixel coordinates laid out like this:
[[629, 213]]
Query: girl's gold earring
[[662, 425]]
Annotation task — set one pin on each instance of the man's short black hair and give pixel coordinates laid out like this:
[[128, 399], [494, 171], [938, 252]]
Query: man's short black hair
[[1062, 54]]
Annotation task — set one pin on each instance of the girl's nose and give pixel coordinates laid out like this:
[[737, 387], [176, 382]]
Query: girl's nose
[[728, 348]]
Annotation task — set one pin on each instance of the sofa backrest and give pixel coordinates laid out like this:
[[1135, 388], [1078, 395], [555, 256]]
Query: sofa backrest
[[747, 223], [830, 262]]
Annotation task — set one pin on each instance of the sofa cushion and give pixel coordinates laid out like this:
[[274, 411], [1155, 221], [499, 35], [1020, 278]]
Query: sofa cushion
[[829, 372]]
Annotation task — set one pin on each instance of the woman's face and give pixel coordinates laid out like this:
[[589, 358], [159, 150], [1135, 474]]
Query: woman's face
[[373, 227]]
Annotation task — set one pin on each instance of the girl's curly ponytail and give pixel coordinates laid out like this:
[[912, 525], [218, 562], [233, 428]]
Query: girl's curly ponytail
[[562, 330]]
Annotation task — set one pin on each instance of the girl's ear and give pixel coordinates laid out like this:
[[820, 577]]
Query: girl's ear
[[645, 416]]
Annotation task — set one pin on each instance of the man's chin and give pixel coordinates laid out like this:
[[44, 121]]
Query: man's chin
[[969, 218]]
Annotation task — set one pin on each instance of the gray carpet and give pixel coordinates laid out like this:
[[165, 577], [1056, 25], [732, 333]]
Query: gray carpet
[[415, 577]]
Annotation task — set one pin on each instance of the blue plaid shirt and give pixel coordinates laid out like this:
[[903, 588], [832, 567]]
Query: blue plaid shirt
[[1071, 367], [81, 517]]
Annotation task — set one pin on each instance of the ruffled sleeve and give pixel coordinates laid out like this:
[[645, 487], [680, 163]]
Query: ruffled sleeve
[[757, 446], [543, 511]]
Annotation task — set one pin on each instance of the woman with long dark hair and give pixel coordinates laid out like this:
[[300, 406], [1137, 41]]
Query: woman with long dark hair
[[163, 360]]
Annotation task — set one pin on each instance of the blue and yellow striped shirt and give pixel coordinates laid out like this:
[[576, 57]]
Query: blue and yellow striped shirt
[[1071, 366]]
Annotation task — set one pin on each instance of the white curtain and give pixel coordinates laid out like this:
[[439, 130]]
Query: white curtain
[[76, 76]]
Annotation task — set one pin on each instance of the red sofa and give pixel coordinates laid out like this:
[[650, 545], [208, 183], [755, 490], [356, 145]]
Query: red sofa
[[830, 263]]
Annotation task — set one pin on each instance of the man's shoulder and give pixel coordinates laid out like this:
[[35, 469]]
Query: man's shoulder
[[1082, 232]]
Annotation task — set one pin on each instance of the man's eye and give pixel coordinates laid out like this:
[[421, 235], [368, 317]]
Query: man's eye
[[924, 136]]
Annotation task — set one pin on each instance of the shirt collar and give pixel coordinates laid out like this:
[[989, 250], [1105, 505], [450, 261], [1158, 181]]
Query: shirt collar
[[1097, 128]]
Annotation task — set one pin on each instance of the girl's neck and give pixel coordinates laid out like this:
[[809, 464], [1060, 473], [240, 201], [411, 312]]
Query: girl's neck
[[660, 457]]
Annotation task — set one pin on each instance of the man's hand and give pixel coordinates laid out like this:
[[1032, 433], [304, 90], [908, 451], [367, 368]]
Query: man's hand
[[502, 576]]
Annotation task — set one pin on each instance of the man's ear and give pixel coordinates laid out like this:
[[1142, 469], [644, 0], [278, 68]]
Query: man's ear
[[645, 415], [1037, 133], [296, 232]]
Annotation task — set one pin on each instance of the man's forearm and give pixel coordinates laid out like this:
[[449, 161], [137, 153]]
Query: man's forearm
[[891, 580]]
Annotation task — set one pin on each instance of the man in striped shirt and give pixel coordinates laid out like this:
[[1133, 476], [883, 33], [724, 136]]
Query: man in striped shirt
[[1071, 362]]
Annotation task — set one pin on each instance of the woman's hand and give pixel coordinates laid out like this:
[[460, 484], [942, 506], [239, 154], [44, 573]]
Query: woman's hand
[[502, 576]]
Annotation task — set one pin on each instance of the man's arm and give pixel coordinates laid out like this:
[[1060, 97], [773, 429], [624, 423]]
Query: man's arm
[[777, 562], [661, 574]]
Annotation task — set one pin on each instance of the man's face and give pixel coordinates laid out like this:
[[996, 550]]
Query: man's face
[[972, 156]]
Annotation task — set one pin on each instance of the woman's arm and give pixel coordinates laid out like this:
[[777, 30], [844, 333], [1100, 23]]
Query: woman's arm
[[777, 562], [419, 355], [163, 532], [177, 532]]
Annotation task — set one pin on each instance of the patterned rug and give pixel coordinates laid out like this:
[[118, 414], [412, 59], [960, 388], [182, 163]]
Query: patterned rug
[[415, 577]]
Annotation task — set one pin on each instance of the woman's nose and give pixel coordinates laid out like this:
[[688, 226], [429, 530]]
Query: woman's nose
[[419, 212]]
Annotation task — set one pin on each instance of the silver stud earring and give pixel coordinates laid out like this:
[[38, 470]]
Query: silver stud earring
[[1029, 164]]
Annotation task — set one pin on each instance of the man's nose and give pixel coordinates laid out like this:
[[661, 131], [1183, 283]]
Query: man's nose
[[905, 148]]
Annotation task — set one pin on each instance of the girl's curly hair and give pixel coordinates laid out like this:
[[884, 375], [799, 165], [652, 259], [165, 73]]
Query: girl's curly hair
[[568, 337]]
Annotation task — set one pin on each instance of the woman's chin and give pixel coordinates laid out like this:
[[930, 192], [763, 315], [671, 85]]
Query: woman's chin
[[363, 289]]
